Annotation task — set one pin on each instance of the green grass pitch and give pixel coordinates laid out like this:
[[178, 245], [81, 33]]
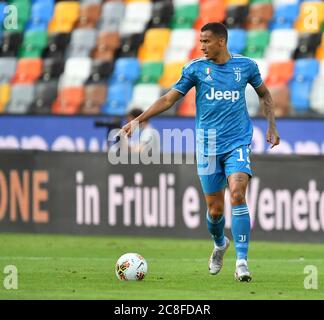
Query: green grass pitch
[[82, 267]]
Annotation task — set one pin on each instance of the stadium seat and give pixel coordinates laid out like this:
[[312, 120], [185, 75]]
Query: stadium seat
[[52, 68], [107, 44], [155, 43], [151, 72], [76, 72], [306, 69], [182, 41], [23, 12], [129, 45], [41, 14], [11, 42], [4, 96], [126, 69], [283, 43], [259, 16], [95, 97], [28, 70], [57, 44], [118, 98], [100, 71], [144, 95], [256, 43], [300, 93], [284, 16], [66, 14], [112, 14], [2, 12], [317, 95], [82, 42], [184, 16], [306, 21], [69, 101], [33, 44], [236, 16], [187, 107], [89, 15], [210, 11], [171, 74], [280, 73], [45, 95], [136, 18], [22, 95], [307, 44], [236, 40], [7, 69], [162, 12]]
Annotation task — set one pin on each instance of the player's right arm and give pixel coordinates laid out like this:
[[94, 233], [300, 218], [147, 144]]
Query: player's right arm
[[163, 103]]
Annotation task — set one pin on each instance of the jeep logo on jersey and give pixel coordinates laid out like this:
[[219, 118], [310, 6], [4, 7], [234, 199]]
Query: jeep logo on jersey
[[237, 72], [220, 95]]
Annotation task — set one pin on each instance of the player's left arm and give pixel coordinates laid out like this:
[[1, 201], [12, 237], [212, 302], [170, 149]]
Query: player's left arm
[[267, 106]]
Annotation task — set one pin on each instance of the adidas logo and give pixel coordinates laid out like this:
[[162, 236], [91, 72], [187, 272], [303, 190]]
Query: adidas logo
[[208, 78]]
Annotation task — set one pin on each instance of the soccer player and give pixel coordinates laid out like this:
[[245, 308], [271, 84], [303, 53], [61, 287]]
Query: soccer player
[[223, 136]]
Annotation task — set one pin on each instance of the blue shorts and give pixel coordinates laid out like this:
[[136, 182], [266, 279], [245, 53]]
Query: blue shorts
[[213, 171]]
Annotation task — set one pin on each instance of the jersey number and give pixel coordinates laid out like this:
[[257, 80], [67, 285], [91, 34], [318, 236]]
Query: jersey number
[[240, 158]]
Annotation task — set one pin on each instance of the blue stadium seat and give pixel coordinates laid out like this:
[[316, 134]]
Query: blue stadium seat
[[306, 69], [41, 14], [284, 16], [2, 14], [118, 97], [300, 95], [126, 69], [236, 40]]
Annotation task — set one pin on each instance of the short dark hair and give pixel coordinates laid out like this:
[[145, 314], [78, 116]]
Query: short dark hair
[[135, 112], [216, 28]]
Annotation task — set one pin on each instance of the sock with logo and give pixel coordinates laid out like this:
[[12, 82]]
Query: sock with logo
[[241, 230], [216, 229]]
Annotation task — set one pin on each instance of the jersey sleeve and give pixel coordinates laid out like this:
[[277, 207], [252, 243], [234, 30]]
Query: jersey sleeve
[[186, 82], [255, 77]]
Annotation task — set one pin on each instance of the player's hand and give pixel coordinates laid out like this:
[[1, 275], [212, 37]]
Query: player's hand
[[273, 136], [128, 129]]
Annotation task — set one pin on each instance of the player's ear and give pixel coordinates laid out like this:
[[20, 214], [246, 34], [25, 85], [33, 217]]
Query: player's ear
[[222, 42]]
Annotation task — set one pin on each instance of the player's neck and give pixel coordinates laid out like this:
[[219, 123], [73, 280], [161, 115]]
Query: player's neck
[[222, 58]]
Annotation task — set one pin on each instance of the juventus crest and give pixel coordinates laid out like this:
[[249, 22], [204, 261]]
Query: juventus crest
[[237, 72]]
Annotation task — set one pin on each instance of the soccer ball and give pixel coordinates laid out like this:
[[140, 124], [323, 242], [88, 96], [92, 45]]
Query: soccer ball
[[131, 266]]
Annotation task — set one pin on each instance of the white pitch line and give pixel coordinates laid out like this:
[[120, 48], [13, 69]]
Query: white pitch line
[[150, 259]]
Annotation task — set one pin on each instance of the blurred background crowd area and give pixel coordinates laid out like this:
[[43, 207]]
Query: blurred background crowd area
[[107, 57]]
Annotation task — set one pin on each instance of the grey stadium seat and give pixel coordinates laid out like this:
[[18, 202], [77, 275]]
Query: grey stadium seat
[[82, 42], [22, 95], [7, 69]]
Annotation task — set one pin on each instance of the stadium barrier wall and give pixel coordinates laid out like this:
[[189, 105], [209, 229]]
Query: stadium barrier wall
[[87, 133], [81, 193]]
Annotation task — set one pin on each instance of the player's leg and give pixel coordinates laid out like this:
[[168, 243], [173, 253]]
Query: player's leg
[[238, 171], [213, 182], [215, 220]]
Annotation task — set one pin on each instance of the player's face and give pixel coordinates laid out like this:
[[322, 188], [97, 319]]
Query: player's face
[[210, 44]]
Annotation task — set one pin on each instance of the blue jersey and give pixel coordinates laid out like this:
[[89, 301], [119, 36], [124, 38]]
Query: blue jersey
[[222, 119]]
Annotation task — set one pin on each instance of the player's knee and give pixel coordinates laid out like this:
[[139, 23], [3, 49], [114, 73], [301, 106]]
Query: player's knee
[[237, 197], [215, 210]]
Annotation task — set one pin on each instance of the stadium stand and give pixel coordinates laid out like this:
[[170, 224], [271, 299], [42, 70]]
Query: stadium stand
[[104, 57]]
